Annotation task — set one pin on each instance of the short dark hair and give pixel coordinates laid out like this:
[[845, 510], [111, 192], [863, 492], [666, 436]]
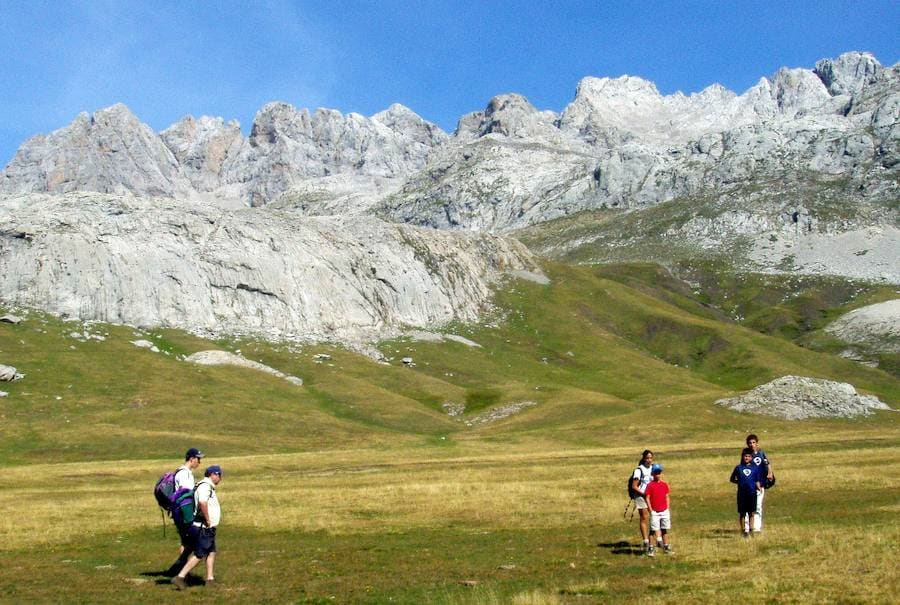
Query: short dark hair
[[746, 452], [752, 437]]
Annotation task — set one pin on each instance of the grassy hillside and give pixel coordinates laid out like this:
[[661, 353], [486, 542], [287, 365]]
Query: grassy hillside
[[359, 487], [593, 345]]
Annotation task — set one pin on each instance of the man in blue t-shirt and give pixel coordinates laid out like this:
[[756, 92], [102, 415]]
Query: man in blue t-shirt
[[765, 472], [747, 477]]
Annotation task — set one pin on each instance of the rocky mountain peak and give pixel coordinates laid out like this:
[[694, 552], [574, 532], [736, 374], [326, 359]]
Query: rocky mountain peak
[[633, 87], [404, 121], [276, 120], [798, 91], [110, 151], [204, 147], [850, 73], [512, 115], [116, 115]]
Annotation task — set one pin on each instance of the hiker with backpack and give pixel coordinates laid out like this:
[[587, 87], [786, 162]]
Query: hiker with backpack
[[767, 479], [203, 529], [184, 483], [640, 477]]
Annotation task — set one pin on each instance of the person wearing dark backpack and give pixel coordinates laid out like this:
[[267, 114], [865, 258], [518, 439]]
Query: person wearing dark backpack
[[639, 480], [767, 477], [184, 479], [204, 528]]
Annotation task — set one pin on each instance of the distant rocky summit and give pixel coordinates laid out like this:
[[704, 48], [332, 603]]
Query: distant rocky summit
[[619, 143], [798, 398], [111, 151], [203, 228]]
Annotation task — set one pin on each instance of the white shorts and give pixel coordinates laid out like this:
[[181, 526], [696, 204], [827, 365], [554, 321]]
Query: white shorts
[[661, 520], [640, 503]]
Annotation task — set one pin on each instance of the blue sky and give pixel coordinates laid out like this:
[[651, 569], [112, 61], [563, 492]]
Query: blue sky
[[168, 59]]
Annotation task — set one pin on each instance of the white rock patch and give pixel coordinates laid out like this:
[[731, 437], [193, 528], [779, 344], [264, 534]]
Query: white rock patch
[[500, 413], [219, 358], [798, 398]]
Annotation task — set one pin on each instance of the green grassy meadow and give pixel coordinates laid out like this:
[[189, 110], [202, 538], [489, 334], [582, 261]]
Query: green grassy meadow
[[358, 487]]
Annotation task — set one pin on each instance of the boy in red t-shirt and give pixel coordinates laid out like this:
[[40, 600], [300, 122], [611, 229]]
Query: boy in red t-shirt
[[657, 494]]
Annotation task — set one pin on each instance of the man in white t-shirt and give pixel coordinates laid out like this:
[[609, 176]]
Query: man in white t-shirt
[[208, 516], [184, 478]]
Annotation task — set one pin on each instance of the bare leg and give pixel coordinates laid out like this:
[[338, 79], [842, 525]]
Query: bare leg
[[191, 564], [645, 524], [210, 563]]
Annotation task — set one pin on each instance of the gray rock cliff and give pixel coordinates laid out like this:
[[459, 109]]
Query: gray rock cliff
[[271, 273]]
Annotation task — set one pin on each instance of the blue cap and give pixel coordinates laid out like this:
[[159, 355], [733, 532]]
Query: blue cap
[[193, 453], [215, 468], [656, 469]]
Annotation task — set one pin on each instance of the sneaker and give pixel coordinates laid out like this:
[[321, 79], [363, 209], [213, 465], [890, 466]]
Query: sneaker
[[651, 552], [667, 550], [211, 582], [179, 583], [746, 534]]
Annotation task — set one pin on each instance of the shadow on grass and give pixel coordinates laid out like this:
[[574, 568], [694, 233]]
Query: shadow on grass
[[622, 548], [164, 577]]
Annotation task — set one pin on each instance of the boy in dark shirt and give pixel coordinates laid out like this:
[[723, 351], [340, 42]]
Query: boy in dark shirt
[[747, 477]]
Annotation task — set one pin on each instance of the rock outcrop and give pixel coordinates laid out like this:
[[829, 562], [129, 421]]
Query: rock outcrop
[[224, 358], [9, 374], [156, 262], [798, 398], [875, 327]]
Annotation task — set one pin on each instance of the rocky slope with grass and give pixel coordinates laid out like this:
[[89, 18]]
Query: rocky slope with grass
[[156, 262]]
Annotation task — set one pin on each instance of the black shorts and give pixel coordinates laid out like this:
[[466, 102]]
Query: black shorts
[[206, 541], [746, 502]]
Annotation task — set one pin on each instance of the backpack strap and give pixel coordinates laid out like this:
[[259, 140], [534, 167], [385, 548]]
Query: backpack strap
[[641, 480]]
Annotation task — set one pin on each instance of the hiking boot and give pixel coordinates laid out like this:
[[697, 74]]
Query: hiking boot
[[651, 552], [179, 583]]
